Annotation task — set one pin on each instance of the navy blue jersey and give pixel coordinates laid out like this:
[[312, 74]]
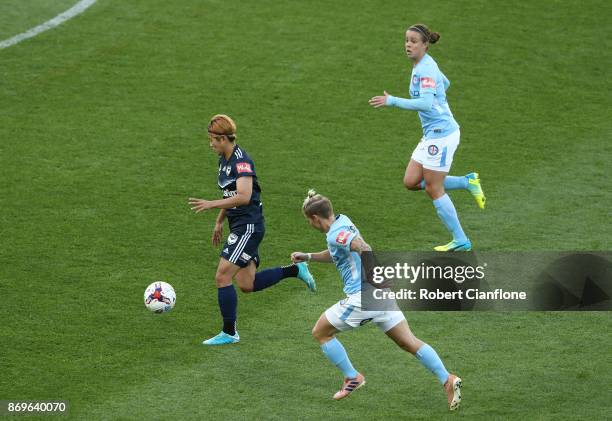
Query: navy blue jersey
[[240, 165]]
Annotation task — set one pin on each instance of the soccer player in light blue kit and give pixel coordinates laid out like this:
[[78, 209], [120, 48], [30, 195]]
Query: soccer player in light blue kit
[[344, 248], [433, 156]]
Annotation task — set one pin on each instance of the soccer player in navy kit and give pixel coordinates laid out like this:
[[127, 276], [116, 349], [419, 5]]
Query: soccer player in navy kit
[[432, 158], [242, 206], [345, 246]]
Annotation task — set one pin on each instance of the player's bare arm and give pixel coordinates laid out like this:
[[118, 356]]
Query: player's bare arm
[[244, 190], [218, 230], [359, 245], [321, 257]]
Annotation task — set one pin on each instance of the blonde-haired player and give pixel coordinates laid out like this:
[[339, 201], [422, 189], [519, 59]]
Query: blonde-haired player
[[345, 246]]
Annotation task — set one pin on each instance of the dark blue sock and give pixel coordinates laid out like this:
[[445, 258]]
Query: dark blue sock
[[228, 302], [268, 277]]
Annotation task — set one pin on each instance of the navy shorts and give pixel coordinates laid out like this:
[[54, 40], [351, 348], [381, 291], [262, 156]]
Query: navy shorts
[[242, 244]]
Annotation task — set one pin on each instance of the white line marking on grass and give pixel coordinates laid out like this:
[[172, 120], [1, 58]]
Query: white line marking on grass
[[78, 8]]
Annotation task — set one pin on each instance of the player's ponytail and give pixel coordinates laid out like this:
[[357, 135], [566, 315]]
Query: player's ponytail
[[222, 125], [426, 34], [315, 204]]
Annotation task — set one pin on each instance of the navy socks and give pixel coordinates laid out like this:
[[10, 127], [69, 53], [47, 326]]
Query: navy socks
[[228, 302], [268, 277]]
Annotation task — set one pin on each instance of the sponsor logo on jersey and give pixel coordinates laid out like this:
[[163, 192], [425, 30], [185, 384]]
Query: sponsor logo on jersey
[[243, 167], [229, 193], [364, 321], [232, 239], [432, 149], [343, 237], [427, 82], [245, 257], [226, 250]]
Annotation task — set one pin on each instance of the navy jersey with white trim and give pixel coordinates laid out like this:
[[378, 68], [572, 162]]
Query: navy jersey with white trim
[[239, 165]]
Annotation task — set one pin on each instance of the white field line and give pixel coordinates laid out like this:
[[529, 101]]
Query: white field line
[[80, 7]]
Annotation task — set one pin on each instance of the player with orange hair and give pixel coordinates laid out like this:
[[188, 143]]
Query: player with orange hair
[[242, 206]]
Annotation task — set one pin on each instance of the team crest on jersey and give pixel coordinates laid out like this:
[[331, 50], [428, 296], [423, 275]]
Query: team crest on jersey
[[428, 82], [432, 149], [232, 239], [243, 167], [228, 170], [342, 237], [415, 80]]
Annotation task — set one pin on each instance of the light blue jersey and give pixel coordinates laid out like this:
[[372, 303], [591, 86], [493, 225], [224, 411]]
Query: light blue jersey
[[348, 262], [437, 121]]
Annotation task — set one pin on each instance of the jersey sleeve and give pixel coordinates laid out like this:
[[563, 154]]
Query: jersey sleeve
[[445, 81], [343, 238], [427, 80], [244, 168], [422, 103]]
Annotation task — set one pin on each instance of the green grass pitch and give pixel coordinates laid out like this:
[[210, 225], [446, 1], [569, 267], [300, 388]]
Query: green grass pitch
[[102, 140]]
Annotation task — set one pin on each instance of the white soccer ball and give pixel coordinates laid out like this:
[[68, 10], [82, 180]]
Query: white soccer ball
[[159, 297]]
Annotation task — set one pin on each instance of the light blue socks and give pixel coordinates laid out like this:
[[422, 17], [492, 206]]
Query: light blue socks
[[336, 353], [452, 182], [447, 213], [430, 359]]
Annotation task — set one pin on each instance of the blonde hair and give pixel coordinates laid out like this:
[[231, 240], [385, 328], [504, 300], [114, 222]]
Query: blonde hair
[[315, 204], [222, 125]]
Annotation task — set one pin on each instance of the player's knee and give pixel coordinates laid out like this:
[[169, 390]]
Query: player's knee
[[434, 190], [319, 335], [222, 279], [412, 183], [315, 333], [245, 288]]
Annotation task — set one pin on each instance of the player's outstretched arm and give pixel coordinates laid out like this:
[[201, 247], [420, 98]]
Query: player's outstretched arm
[[424, 103], [322, 257], [244, 190]]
